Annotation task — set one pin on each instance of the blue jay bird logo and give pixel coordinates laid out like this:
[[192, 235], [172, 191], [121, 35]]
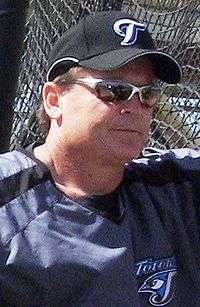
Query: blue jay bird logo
[[161, 285], [128, 29]]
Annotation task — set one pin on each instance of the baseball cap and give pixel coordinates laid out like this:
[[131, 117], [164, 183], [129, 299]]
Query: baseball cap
[[106, 41]]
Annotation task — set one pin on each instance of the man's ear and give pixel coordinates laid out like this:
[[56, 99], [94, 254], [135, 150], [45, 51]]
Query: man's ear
[[50, 94]]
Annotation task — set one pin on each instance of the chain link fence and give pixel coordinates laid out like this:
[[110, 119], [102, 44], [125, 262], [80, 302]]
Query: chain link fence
[[174, 25]]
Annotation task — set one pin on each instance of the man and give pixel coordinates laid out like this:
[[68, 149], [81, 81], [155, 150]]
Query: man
[[81, 223]]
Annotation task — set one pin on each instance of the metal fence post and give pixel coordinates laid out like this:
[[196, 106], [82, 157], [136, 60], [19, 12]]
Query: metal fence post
[[12, 20]]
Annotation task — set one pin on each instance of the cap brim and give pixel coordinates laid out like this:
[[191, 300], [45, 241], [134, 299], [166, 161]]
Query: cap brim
[[166, 68]]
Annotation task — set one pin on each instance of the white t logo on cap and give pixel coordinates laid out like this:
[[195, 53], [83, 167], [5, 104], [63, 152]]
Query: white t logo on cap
[[128, 29]]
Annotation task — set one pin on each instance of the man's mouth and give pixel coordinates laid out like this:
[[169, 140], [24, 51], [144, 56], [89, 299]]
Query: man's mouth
[[126, 130]]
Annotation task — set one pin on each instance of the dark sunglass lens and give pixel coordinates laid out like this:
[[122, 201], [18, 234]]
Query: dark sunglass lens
[[150, 96], [123, 92], [108, 91], [104, 92]]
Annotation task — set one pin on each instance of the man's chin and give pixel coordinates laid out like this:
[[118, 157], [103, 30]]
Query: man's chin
[[127, 157]]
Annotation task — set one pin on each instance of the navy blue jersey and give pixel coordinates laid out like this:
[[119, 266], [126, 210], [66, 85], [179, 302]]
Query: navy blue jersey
[[137, 246]]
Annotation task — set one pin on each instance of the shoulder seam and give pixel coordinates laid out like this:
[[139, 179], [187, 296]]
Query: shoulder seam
[[14, 185]]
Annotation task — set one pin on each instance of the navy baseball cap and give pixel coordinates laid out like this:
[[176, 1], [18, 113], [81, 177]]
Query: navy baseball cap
[[106, 41]]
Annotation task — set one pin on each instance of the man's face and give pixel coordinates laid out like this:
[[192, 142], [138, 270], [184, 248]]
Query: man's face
[[99, 130]]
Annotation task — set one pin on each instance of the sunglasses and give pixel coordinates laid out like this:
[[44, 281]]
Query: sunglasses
[[116, 91]]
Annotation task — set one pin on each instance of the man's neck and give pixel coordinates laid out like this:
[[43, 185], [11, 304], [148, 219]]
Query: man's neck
[[76, 175]]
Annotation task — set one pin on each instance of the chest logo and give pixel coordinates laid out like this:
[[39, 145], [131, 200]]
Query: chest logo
[[161, 286], [158, 279], [128, 29]]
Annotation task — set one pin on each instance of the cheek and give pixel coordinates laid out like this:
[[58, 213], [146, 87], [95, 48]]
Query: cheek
[[86, 122], [145, 118]]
